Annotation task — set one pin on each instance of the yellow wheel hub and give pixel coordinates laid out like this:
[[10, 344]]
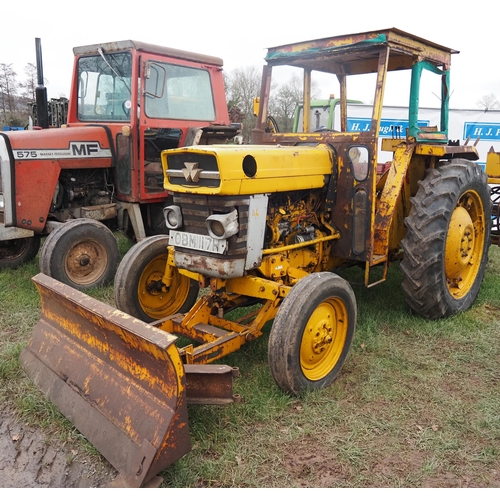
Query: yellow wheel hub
[[323, 339], [464, 244], [155, 298]]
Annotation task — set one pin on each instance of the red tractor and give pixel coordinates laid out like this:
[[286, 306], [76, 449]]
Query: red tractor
[[128, 102]]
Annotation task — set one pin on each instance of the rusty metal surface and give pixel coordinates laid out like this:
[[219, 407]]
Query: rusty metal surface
[[344, 213], [100, 212], [217, 336], [332, 53], [117, 379], [389, 197], [210, 384], [493, 166], [447, 151]]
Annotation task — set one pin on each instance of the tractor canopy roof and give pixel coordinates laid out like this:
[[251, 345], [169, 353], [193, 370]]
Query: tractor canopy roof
[[359, 53]]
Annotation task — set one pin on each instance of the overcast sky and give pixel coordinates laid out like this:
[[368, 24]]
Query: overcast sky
[[239, 32]]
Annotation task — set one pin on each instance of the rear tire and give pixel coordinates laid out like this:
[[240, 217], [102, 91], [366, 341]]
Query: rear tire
[[312, 333], [82, 253], [447, 240], [15, 253], [138, 287]]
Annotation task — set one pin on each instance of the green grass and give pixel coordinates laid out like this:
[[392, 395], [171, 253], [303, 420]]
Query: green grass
[[416, 405]]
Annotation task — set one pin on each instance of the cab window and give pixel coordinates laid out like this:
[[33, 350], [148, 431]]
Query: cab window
[[178, 92], [104, 87]]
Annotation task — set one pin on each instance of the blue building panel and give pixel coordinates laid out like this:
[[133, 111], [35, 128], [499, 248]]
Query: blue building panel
[[388, 127], [482, 130]]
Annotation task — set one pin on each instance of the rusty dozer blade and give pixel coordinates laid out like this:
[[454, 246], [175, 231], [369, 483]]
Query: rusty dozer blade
[[120, 381]]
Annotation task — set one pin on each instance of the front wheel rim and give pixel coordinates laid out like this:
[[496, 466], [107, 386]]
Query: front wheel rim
[[86, 262], [154, 298], [324, 339], [464, 244]]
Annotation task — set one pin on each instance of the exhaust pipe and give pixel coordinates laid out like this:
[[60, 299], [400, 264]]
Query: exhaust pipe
[[42, 111]]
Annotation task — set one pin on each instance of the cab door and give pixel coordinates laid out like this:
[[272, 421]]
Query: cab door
[[353, 207], [177, 95]]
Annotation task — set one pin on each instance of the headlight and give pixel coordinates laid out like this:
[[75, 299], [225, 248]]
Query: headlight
[[173, 217], [2, 204], [222, 226]]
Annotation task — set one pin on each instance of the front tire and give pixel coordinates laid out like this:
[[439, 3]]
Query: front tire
[[312, 333], [82, 253], [139, 290], [15, 253], [447, 240]]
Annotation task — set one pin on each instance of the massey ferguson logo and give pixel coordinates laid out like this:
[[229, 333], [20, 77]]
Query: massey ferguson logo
[[80, 149], [191, 171], [88, 149], [85, 148]]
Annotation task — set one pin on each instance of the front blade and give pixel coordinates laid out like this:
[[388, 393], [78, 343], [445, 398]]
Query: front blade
[[120, 381]]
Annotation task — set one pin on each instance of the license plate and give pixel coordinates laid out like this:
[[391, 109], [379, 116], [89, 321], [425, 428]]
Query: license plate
[[197, 242]]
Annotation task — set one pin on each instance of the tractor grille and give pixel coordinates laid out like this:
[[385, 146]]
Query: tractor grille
[[196, 208], [192, 169]]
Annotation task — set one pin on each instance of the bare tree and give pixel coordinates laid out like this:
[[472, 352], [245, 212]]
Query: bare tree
[[15, 95], [242, 86], [8, 89], [284, 99], [488, 101], [29, 85]]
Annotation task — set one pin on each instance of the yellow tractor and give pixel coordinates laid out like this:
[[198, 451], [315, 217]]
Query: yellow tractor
[[267, 225]]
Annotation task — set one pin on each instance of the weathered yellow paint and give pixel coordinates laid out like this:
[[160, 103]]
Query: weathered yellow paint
[[391, 144], [323, 338], [389, 197], [279, 169], [95, 362], [359, 52], [464, 244], [430, 149], [296, 246], [253, 286], [233, 334], [300, 234], [493, 166]]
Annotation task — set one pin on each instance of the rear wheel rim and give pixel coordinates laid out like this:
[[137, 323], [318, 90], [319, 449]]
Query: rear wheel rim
[[324, 339], [464, 244], [154, 298], [86, 262], [13, 249]]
